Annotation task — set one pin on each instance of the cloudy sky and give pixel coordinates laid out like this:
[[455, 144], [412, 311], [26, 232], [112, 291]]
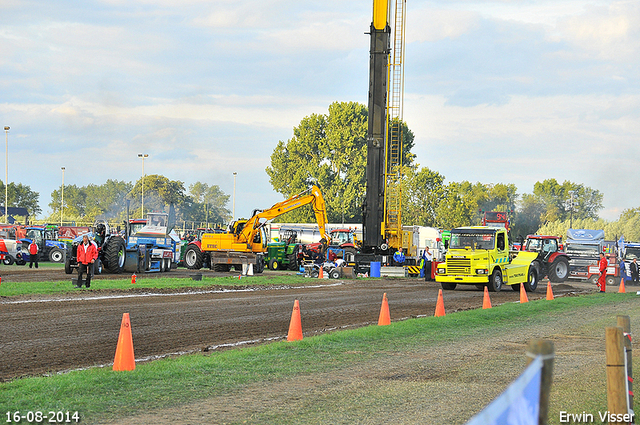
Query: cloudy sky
[[495, 91]]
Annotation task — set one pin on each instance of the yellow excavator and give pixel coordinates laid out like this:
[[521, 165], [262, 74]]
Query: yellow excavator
[[245, 241]]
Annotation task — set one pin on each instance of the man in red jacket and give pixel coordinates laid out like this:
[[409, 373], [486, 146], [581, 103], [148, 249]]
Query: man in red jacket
[[602, 267], [33, 253], [86, 255]]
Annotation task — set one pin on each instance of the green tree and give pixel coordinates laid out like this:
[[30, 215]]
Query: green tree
[[330, 151], [555, 198], [22, 196], [159, 194], [208, 204], [422, 192]]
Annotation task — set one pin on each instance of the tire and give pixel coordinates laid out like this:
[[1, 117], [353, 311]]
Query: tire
[[480, 287], [114, 255], [67, 266], [516, 288], [559, 270], [532, 280], [448, 286], [56, 255], [593, 279], [335, 274], [167, 265], [259, 267], [221, 268], [8, 260], [274, 264], [314, 273], [97, 267], [350, 254], [162, 269], [21, 262], [495, 281], [611, 280], [293, 262], [193, 257]]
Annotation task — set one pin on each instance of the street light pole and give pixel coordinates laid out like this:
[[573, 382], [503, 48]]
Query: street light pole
[[143, 156], [234, 196], [571, 192], [62, 198], [6, 174]]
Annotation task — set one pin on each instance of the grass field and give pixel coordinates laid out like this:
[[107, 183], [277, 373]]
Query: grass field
[[101, 395]]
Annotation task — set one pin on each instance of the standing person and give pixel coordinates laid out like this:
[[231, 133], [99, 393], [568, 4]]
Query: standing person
[[33, 253], [86, 255], [633, 267], [427, 264], [602, 267], [398, 257]]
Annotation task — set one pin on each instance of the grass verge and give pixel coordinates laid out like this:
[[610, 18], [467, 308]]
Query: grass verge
[[8, 289], [101, 394]]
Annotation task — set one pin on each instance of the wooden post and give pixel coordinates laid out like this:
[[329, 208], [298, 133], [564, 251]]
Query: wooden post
[[543, 348], [624, 322], [616, 372]]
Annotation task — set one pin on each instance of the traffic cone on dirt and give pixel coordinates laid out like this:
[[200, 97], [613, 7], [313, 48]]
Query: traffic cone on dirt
[[321, 274], [440, 305], [384, 318], [295, 326], [523, 295], [486, 301], [622, 290], [549, 292], [124, 359], [133, 278]]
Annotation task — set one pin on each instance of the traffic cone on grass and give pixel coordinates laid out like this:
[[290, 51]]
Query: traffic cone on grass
[[295, 326], [622, 290], [440, 305], [523, 295], [384, 318], [486, 301], [320, 273], [549, 292], [124, 359]]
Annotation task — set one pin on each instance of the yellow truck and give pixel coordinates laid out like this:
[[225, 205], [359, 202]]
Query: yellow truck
[[480, 256]]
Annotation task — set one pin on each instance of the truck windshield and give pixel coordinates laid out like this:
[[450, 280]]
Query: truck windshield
[[472, 240], [583, 249], [631, 253]]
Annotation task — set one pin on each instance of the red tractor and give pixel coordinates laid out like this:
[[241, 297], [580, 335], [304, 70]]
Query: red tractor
[[551, 261]]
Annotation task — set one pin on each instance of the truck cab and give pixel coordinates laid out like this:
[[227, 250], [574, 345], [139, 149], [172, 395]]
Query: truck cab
[[479, 255]]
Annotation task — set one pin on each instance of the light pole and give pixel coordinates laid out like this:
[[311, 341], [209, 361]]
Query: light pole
[[234, 196], [6, 173], [62, 198], [143, 156]]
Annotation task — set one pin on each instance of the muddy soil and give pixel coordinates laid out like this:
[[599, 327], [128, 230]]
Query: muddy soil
[[48, 334]]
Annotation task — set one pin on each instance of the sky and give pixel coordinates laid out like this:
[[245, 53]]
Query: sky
[[495, 91]]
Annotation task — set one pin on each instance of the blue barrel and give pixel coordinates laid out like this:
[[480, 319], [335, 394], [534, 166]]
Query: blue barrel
[[375, 269]]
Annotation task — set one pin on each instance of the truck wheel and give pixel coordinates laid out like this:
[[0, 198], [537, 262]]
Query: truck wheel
[[611, 280], [167, 265], [559, 270], [448, 286], [97, 267], [495, 281], [593, 279], [259, 267], [56, 255], [67, 266], [193, 257], [532, 280], [349, 254], [8, 260], [114, 255], [273, 264]]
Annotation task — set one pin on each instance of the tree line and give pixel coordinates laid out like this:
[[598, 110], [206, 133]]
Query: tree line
[[329, 150]]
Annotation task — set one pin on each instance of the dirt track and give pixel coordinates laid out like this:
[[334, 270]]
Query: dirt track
[[50, 334]]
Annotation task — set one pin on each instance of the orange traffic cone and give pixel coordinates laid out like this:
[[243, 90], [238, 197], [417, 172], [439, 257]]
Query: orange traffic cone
[[384, 318], [549, 292], [295, 326], [439, 305], [124, 359], [320, 273], [523, 295], [486, 301], [621, 290]]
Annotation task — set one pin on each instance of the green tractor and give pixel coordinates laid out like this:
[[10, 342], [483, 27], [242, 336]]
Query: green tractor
[[281, 255]]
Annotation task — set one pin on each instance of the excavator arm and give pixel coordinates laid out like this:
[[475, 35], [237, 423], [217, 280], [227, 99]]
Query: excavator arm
[[311, 196]]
